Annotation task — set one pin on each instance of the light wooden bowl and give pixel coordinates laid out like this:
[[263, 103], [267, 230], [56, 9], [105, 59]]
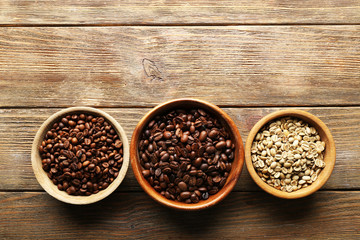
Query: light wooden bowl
[[329, 156], [236, 165], [44, 180]]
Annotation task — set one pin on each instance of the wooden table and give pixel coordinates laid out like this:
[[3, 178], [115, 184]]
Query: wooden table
[[249, 57]]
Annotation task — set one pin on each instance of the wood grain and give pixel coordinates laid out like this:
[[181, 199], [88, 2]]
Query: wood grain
[[135, 215], [20, 125], [228, 66], [179, 12]]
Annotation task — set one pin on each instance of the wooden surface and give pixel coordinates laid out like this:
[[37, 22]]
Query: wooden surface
[[228, 66], [249, 57], [156, 12], [134, 215]]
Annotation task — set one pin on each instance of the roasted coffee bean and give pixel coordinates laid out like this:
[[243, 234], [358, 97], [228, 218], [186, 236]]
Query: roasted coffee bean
[[220, 145], [186, 155], [81, 154], [185, 195], [158, 136], [194, 198], [213, 133], [182, 186], [146, 173], [210, 149], [184, 138], [197, 162], [165, 157]]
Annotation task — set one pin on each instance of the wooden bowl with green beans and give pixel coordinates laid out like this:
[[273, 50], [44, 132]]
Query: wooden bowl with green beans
[[290, 153]]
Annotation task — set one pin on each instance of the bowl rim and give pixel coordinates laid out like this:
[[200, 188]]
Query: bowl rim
[[329, 158], [45, 181], [233, 176]]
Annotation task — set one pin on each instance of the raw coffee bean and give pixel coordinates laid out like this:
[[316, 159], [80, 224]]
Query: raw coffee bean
[[76, 149], [185, 155]]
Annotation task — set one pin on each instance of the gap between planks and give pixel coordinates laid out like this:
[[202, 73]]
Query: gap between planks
[[139, 191], [179, 25], [219, 105]]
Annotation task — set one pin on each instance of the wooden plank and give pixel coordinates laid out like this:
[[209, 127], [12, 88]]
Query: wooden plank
[[20, 125], [179, 12], [134, 215], [143, 66]]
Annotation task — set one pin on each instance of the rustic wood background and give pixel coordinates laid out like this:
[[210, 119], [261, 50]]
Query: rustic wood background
[[249, 57]]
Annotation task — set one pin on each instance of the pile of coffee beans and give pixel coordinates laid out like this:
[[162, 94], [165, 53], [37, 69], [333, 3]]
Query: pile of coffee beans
[[186, 155], [82, 154]]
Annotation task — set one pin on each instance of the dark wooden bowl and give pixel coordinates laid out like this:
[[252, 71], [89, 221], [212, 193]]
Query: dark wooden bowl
[[329, 156], [45, 181], [226, 121]]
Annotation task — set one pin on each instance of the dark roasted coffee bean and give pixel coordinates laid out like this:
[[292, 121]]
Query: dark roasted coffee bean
[[182, 186], [146, 173], [194, 198], [216, 179], [150, 148], [213, 133], [186, 178], [210, 149], [184, 138], [203, 136], [192, 181], [185, 195], [158, 136], [66, 144], [71, 190], [86, 163], [72, 123], [228, 143], [165, 157], [197, 162], [213, 191], [199, 182], [220, 145]]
